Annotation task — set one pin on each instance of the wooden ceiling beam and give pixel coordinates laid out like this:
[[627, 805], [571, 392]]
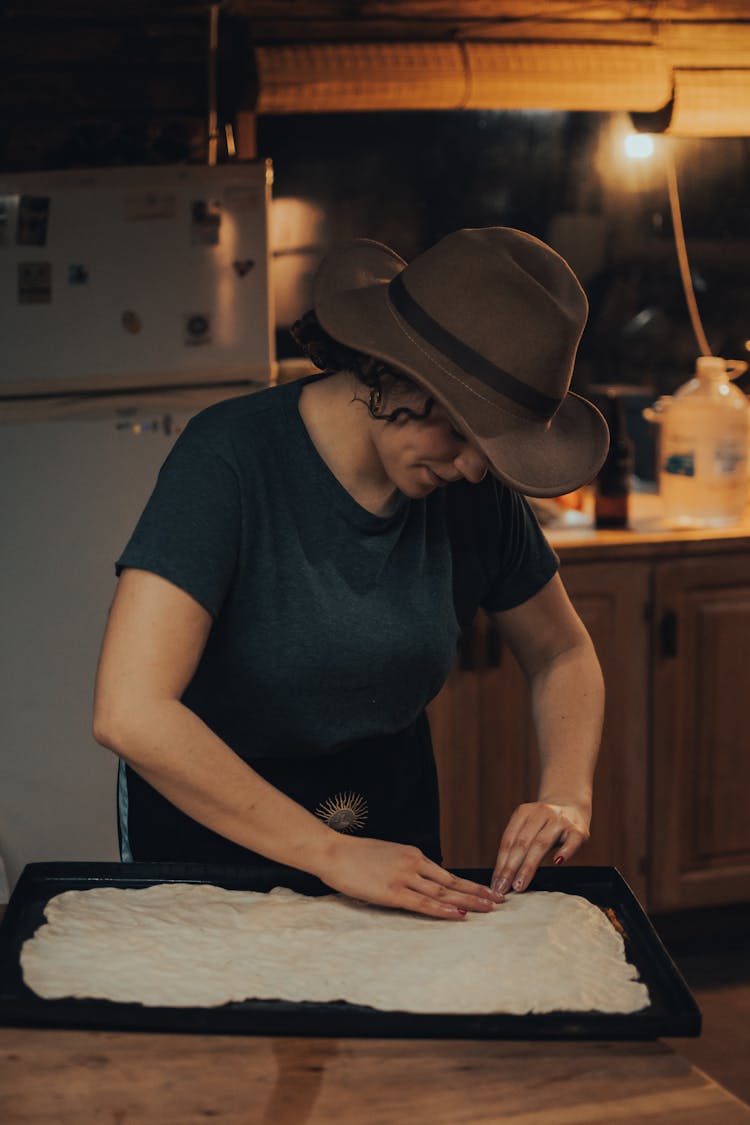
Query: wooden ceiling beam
[[361, 11], [291, 18]]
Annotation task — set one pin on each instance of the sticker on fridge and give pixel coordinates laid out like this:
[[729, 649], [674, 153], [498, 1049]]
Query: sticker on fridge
[[205, 222], [34, 283], [197, 329], [78, 274], [33, 217]]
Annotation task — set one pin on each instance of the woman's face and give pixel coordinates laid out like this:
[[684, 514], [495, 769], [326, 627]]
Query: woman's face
[[422, 454]]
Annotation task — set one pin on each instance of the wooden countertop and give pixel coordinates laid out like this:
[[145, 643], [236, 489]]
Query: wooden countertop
[[102, 1076], [575, 538]]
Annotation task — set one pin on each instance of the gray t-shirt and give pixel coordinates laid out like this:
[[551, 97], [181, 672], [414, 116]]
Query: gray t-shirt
[[331, 624]]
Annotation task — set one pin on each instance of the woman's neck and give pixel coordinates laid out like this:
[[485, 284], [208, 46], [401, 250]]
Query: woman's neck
[[339, 426]]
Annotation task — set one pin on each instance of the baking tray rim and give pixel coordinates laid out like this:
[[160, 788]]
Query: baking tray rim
[[20, 1007]]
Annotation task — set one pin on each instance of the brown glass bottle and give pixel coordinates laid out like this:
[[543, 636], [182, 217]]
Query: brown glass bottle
[[612, 485]]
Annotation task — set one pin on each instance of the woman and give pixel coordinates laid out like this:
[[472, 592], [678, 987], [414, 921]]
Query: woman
[[292, 596]]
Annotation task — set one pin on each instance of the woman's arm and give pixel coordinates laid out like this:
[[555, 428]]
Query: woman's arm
[[154, 640], [558, 659]]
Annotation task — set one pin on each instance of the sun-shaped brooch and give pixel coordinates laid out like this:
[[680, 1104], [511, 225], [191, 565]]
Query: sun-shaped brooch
[[346, 812]]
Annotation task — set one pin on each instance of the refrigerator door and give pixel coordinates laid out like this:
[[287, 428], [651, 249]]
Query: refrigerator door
[[72, 486], [135, 277]]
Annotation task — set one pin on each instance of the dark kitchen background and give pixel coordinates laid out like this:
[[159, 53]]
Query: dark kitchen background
[[128, 87], [407, 178]]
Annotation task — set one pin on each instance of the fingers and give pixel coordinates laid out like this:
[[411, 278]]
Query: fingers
[[524, 860], [532, 831], [569, 847], [401, 876], [425, 904], [480, 903], [516, 835], [451, 887], [433, 891]]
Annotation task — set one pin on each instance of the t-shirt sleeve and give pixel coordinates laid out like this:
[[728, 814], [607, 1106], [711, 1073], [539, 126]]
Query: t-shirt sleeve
[[525, 560], [189, 531], [501, 557]]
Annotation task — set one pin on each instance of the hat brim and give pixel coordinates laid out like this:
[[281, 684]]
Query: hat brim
[[532, 456]]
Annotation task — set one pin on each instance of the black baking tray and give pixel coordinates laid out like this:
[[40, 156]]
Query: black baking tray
[[672, 1011]]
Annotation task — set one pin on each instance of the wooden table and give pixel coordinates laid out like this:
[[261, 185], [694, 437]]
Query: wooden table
[[101, 1076], [76, 1077]]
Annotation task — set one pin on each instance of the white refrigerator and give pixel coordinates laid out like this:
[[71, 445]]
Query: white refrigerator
[[129, 300]]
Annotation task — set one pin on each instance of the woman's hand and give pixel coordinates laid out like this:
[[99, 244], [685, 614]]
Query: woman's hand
[[532, 831], [399, 875]]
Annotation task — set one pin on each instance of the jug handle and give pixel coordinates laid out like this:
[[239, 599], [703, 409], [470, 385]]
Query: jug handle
[[735, 368]]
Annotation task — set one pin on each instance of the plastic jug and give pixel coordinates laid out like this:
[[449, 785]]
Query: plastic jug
[[703, 449]]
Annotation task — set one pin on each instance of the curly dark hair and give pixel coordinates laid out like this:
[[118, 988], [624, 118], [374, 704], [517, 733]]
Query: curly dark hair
[[330, 355]]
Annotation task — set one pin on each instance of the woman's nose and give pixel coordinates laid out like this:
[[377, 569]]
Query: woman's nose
[[471, 464]]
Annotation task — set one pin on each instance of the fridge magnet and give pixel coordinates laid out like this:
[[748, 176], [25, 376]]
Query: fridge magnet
[[243, 266], [197, 329], [77, 274], [205, 222], [33, 216], [34, 283], [150, 205], [131, 322]]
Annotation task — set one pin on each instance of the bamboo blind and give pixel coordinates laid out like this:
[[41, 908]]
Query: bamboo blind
[[326, 77], [573, 76], [329, 77], [711, 103]]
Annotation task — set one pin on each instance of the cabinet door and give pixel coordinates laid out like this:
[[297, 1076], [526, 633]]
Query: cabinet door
[[612, 600], [701, 733], [484, 743]]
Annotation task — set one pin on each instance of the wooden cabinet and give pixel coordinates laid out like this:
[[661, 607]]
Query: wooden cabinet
[[670, 618], [485, 748], [700, 800], [613, 602]]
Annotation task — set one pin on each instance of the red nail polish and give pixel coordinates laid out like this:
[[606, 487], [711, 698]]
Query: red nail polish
[[559, 859], [460, 910]]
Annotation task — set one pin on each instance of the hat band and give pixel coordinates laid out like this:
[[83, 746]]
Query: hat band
[[465, 357]]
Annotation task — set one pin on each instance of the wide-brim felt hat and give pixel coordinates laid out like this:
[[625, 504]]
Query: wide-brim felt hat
[[487, 321]]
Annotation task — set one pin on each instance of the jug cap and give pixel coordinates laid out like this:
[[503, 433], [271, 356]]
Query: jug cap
[[717, 367], [711, 365]]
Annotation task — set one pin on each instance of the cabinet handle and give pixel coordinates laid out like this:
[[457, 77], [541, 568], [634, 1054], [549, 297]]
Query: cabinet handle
[[668, 633]]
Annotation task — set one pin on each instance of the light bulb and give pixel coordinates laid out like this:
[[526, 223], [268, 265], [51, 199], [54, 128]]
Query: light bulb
[[639, 146]]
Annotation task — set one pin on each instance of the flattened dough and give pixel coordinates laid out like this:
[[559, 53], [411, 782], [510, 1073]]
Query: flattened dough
[[186, 945]]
